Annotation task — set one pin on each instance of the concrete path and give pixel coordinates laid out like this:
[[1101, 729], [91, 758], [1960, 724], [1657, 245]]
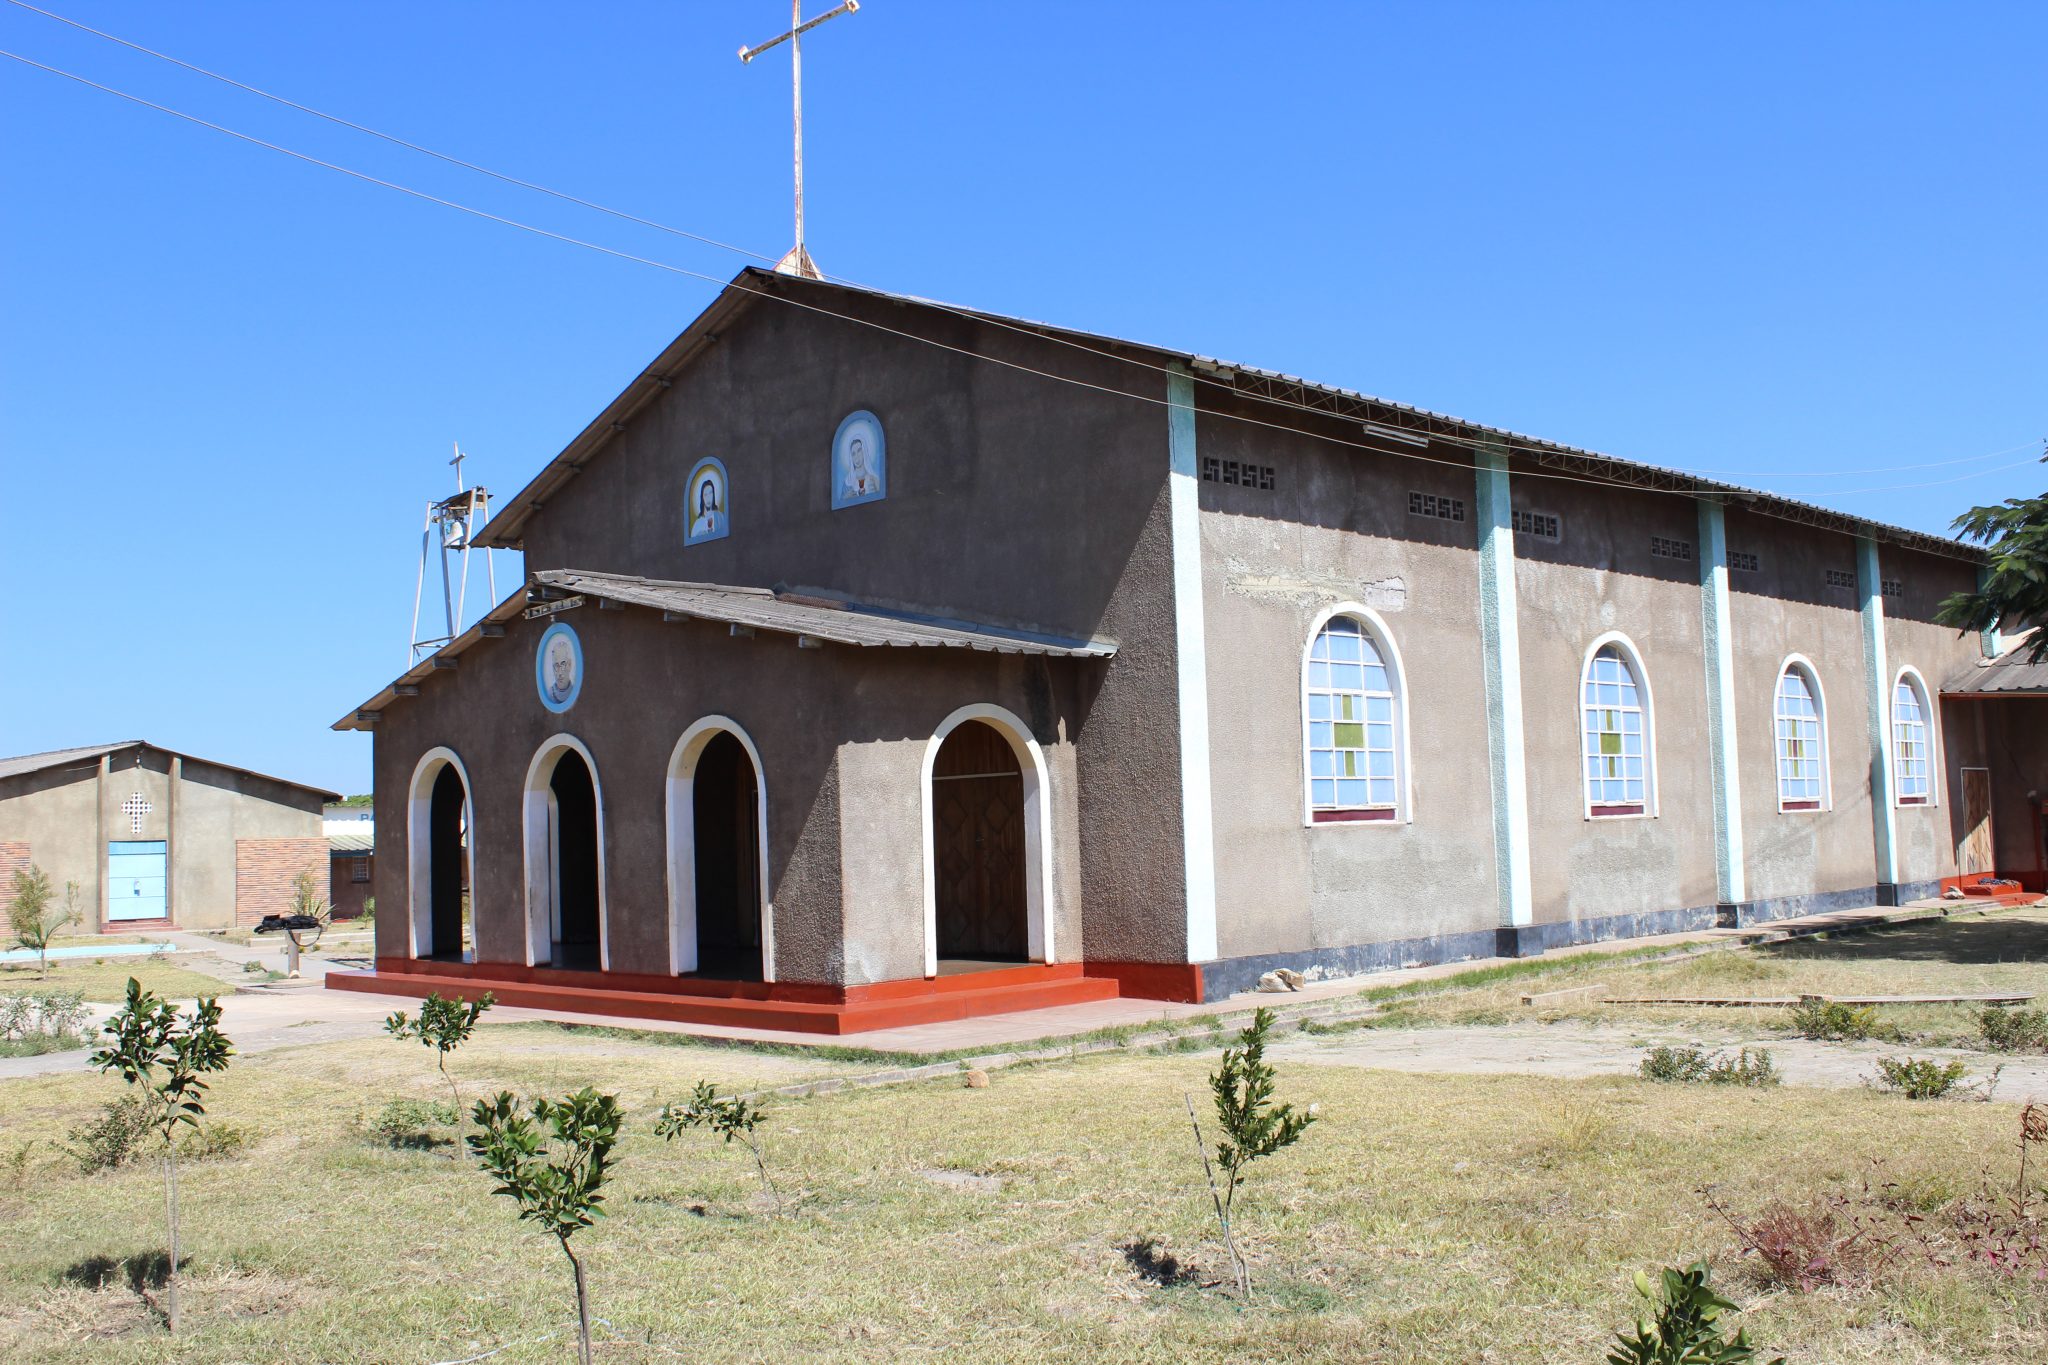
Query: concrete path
[[1575, 1049]]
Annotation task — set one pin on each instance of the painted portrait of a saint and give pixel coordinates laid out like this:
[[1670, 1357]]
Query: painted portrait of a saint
[[706, 515], [558, 667], [860, 469]]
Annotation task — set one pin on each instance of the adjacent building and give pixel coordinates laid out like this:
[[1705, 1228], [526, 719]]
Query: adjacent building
[[156, 839], [882, 660]]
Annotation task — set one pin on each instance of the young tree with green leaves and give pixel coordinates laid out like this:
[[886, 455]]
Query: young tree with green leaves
[[1253, 1127], [552, 1161], [443, 1025], [30, 913], [733, 1118], [1686, 1329], [163, 1054], [2014, 592]]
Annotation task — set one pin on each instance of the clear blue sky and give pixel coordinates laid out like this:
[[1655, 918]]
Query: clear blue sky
[[1765, 239]]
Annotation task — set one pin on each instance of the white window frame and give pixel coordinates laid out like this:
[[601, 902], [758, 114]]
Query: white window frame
[[1910, 676], [1827, 752], [1370, 624], [1633, 657]]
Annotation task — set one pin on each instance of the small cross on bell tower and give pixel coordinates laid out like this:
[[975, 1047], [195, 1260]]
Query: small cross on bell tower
[[798, 261]]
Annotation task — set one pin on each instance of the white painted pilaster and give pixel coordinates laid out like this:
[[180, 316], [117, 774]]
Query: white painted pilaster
[[1723, 753], [1877, 689], [1501, 643], [1198, 834]]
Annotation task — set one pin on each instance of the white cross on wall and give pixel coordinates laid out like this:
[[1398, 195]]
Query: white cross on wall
[[135, 808]]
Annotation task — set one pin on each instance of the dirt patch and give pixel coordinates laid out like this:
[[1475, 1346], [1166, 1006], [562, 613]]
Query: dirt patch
[[104, 1299], [1572, 1049]]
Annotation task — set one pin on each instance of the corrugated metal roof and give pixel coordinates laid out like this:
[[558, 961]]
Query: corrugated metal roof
[[1287, 392], [59, 758], [843, 623], [2009, 673], [352, 843], [836, 622]]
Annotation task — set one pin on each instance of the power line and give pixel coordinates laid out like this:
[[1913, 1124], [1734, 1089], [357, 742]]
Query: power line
[[1475, 443], [391, 138], [1507, 443]]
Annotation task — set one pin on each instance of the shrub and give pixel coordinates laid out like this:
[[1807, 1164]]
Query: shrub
[[1919, 1078], [1832, 1240], [1694, 1065], [1686, 1329], [111, 1139], [214, 1141], [411, 1123], [31, 915], [1832, 1021], [35, 1022], [2014, 1030], [444, 1025]]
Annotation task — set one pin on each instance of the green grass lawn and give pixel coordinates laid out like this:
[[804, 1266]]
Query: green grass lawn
[[1971, 954], [106, 979], [1425, 1219]]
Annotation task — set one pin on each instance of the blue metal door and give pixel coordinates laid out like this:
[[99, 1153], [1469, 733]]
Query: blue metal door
[[136, 887]]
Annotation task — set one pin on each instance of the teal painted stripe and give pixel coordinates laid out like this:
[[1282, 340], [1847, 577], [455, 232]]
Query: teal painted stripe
[[1724, 754], [1501, 648], [1877, 685], [1988, 640]]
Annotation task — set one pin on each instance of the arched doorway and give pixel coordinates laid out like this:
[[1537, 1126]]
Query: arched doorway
[[979, 857], [564, 820], [720, 924], [724, 799], [440, 859], [448, 895]]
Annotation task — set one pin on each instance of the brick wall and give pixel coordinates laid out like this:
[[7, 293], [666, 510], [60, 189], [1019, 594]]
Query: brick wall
[[345, 892], [13, 858], [265, 870]]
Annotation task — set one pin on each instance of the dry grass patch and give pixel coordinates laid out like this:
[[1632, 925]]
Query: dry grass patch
[[106, 979], [1426, 1219], [1975, 954]]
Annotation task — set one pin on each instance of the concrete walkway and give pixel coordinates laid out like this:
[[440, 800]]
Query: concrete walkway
[[260, 1018]]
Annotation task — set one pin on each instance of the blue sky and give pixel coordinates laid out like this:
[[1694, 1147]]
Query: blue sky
[[1772, 241]]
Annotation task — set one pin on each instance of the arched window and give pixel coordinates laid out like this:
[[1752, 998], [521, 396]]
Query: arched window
[[1912, 749], [1615, 724], [1355, 737], [1802, 737]]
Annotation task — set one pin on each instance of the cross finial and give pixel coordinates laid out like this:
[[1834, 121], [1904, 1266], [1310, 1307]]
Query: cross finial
[[457, 462], [798, 261]]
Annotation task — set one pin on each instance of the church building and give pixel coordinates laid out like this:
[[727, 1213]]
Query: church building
[[881, 661]]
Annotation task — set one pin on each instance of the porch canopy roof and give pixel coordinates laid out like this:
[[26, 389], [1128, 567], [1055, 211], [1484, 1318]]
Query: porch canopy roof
[[821, 620], [2008, 675]]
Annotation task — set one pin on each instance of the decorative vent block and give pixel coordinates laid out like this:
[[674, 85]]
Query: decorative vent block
[[1541, 525], [1745, 560], [1431, 505], [1841, 578], [1894, 587], [1237, 473], [1664, 547]]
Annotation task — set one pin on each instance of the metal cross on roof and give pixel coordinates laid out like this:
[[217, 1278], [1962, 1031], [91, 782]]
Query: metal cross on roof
[[135, 808], [798, 261]]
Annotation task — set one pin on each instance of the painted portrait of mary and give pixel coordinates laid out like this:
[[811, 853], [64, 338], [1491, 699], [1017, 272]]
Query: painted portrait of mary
[[859, 460]]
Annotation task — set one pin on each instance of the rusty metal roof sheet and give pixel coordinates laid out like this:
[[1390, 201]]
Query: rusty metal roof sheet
[[807, 618], [89, 755], [2009, 674]]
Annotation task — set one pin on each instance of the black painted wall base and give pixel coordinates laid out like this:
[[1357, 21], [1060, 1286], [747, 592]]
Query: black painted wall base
[[1518, 940]]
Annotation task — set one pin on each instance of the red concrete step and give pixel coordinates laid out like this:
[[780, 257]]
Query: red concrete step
[[934, 1005]]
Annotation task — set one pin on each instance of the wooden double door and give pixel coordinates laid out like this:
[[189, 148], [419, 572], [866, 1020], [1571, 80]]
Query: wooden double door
[[978, 847]]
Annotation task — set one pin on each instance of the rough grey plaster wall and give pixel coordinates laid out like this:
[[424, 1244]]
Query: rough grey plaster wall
[[1787, 607], [841, 733], [1601, 577]]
